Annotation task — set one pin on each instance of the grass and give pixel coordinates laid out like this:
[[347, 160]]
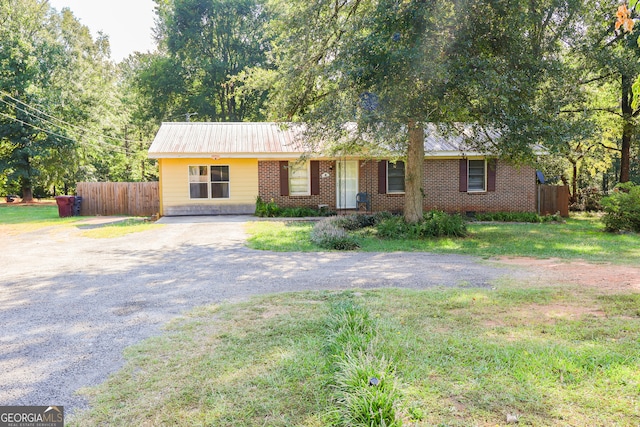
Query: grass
[[580, 237], [119, 229], [18, 219], [550, 356]]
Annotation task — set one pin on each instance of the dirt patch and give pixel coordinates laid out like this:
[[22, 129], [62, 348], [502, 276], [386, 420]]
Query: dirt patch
[[609, 278]]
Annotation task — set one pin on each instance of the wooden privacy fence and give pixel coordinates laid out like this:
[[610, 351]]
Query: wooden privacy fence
[[553, 199], [119, 198]]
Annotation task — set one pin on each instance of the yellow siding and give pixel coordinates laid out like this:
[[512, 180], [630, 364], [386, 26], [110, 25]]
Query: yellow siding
[[174, 179]]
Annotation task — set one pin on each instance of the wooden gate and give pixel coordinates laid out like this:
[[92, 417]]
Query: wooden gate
[[553, 199], [119, 198]]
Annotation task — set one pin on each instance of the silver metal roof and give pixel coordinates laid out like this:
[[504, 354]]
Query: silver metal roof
[[267, 140], [193, 139]]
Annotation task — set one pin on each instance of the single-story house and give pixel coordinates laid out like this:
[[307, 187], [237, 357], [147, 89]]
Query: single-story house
[[221, 168]]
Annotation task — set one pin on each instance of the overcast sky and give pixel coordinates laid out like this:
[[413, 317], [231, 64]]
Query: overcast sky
[[128, 23]]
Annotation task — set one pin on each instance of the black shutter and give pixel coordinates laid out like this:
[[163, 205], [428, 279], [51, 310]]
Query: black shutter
[[463, 175], [491, 174], [284, 178], [315, 177], [382, 177]]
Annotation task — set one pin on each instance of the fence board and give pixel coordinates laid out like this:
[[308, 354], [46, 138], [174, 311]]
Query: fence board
[[119, 198], [553, 199]]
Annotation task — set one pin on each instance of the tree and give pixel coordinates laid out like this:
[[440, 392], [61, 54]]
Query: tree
[[204, 44], [376, 63], [55, 90], [607, 57]]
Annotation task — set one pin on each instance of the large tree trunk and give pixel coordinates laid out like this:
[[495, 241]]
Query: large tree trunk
[[625, 152], [27, 191], [628, 127], [414, 174]]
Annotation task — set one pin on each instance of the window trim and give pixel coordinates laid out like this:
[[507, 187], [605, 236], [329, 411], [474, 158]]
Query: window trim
[[307, 168], [484, 177], [404, 174], [209, 182], [228, 182]]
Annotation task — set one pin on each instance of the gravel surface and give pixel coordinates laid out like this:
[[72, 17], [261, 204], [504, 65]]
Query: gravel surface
[[71, 304]]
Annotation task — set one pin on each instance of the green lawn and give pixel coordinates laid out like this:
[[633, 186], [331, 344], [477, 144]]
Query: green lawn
[[580, 237], [17, 219], [457, 357]]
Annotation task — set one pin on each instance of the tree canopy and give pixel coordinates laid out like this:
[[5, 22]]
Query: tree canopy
[[364, 74]]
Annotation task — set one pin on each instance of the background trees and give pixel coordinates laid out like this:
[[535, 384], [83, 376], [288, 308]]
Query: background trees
[[556, 73], [203, 45]]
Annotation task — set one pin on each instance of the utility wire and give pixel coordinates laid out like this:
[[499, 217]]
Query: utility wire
[[105, 145], [62, 121], [78, 135]]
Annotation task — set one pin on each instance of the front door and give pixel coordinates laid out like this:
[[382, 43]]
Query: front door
[[346, 184]]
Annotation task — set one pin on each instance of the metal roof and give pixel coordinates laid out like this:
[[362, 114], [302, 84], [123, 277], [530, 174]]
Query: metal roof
[[193, 139], [268, 140]]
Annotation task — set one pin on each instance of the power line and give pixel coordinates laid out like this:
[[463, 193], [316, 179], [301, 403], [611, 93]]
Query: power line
[[82, 129], [105, 145]]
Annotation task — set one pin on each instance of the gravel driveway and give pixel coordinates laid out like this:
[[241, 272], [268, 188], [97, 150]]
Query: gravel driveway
[[70, 304]]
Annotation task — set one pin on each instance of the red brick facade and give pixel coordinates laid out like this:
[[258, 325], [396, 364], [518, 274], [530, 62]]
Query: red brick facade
[[515, 188]]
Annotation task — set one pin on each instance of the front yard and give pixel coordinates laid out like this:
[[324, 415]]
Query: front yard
[[580, 237], [560, 355]]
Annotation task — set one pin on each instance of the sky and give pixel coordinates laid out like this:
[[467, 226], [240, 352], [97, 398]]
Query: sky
[[128, 23]]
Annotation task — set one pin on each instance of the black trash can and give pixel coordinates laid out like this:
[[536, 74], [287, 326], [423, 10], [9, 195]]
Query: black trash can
[[65, 205], [77, 204]]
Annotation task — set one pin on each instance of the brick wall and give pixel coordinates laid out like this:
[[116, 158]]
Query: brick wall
[[515, 188], [269, 187]]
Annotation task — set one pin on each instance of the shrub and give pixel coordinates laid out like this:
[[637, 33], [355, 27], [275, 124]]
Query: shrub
[[587, 200], [355, 221], [329, 236], [298, 212], [622, 208], [271, 209], [264, 209], [434, 224], [515, 217]]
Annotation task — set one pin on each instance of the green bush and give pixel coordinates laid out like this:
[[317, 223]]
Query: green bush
[[266, 209], [298, 212], [328, 235], [434, 224], [271, 209], [515, 217], [622, 208]]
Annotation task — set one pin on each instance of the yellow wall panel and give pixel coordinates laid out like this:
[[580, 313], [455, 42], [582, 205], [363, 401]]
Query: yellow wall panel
[[243, 187]]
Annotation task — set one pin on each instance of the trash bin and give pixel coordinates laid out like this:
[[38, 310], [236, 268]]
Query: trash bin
[[77, 204], [65, 205]]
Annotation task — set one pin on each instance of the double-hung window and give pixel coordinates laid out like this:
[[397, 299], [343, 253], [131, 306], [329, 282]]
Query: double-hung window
[[209, 182], [395, 177], [299, 182], [477, 176]]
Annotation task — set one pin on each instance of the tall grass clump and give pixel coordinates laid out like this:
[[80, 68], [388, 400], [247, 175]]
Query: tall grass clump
[[434, 224], [622, 208], [366, 393]]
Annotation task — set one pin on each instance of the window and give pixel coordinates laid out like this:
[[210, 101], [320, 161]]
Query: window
[[395, 177], [198, 187], [477, 179], [209, 182], [299, 179]]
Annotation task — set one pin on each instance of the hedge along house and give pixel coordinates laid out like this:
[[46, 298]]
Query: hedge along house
[[221, 168]]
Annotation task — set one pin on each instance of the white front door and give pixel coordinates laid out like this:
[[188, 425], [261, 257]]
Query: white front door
[[346, 184]]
